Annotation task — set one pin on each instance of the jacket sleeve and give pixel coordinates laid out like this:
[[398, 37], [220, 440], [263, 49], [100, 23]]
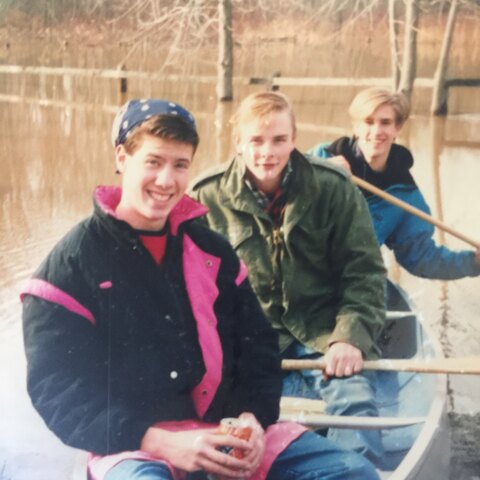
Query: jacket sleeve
[[67, 377], [415, 249], [320, 151], [258, 377], [358, 265]]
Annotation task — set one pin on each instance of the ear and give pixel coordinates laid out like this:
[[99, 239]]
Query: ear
[[120, 158]]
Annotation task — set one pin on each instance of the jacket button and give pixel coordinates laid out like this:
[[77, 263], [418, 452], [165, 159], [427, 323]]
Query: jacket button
[[204, 392], [209, 263], [173, 374], [168, 318]]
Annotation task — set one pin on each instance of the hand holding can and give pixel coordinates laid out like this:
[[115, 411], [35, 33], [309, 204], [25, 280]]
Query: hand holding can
[[238, 428]]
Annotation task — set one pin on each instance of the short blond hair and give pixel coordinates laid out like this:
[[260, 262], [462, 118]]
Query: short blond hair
[[260, 105], [367, 101]]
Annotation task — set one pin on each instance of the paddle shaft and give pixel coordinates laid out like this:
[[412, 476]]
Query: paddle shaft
[[459, 366], [410, 209]]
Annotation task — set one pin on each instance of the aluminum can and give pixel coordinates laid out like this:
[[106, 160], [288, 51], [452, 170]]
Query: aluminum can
[[238, 428]]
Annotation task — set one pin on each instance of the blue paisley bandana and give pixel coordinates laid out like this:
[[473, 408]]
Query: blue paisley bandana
[[135, 112]]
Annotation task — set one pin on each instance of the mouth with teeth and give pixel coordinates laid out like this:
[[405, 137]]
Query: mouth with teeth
[[159, 197]]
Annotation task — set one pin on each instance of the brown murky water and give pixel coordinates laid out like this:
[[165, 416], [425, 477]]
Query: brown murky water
[[55, 152]]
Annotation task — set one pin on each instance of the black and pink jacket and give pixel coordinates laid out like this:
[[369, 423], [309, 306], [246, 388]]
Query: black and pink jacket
[[115, 343]]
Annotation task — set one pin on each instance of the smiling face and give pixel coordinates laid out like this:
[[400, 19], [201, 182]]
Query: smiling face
[[375, 134], [154, 179], [265, 144]]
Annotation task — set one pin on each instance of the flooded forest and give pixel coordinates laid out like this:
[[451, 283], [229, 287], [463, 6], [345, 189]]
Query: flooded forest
[[67, 65]]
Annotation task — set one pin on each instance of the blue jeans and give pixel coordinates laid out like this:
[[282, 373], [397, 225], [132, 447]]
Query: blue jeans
[[353, 395], [309, 457]]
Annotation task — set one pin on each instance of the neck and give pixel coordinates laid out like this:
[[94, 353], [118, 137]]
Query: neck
[[377, 163], [268, 187], [136, 220]]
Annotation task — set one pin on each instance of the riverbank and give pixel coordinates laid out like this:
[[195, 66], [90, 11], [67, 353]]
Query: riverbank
[[465, 438]]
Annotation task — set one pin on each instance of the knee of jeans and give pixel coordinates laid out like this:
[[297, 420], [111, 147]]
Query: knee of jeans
[[294, 385], [139, 469]]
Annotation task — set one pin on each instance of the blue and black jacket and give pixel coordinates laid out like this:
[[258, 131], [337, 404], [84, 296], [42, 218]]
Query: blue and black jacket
[[410, 237]]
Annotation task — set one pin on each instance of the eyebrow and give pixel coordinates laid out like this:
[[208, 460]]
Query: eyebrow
[[158, 156], [381, 119]]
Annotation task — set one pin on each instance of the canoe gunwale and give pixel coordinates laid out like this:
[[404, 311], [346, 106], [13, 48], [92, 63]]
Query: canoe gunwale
[[432, 442]]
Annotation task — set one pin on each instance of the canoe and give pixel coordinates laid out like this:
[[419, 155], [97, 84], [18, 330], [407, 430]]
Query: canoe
[[412, 406]]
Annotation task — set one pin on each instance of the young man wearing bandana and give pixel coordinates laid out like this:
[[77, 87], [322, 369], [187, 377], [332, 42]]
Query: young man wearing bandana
[[142, 331]]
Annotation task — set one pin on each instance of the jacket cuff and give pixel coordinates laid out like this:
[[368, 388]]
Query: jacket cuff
[[350, 329]]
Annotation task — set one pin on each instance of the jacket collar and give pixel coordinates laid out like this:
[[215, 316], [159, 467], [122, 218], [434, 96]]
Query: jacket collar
[[235, 194], [107, 199], [397, 168]]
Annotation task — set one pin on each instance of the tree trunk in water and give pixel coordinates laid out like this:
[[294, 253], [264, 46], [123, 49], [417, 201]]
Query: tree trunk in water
[[440, 90], [225, 51], [409, 64], [393, 35]]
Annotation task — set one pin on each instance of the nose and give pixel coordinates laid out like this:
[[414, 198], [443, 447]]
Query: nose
[[165, 177], [376, 128], [266, 149]]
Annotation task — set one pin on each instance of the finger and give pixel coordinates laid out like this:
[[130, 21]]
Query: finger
[[340, 368], [358, 366], [219, 441], [331, 365], [348, 370]]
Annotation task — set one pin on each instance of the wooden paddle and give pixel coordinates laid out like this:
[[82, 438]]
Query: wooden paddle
[[459, 366], [414, 211]]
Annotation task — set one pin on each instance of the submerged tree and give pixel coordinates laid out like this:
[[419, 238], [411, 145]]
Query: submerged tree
[[409, 61], [225, 51], [440, 90]]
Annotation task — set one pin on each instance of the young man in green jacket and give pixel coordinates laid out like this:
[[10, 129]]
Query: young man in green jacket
[[304, 231]]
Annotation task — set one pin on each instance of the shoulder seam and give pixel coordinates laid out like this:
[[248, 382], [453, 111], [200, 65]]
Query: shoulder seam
[[209, 174]]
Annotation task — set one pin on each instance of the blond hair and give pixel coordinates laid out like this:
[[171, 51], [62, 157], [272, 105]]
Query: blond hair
[[367, 101], [260, 105]]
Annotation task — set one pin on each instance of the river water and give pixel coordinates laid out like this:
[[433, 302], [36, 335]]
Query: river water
[[54, 152]]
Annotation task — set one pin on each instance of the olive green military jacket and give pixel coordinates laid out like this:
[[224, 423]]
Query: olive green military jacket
[[319, 276]]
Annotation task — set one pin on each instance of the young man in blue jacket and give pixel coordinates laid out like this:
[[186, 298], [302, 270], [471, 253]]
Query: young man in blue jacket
[[378, 116], [142, 331]]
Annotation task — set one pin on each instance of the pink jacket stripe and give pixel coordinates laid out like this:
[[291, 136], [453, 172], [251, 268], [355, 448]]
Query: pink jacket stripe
[[201, 270], [46, 291], [242, 274]]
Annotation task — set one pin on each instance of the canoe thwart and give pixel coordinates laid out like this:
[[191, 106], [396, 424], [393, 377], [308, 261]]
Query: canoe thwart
[[361, 423]]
